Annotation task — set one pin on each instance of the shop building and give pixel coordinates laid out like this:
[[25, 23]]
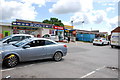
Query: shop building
[[68, 30], [59, 31], [37, 29], [88, 36], [5, 29]]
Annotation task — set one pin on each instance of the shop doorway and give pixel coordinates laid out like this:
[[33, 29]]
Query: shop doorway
[[6, 33]]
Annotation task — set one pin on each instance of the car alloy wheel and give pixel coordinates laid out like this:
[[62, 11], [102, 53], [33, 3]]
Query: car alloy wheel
[[57, 56], [11, 61]]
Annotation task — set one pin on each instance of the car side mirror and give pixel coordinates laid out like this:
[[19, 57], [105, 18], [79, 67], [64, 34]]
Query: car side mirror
[[26, 46]]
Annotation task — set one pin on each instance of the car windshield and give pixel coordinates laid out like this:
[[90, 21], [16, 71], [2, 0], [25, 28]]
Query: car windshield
[[5, 38], [98, 38], [20, 43], [52, 35]]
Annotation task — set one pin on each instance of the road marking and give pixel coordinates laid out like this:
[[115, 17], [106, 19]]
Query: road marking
[[88, 74], [92, 72], [16, 68], [8, 69], [100, 68]]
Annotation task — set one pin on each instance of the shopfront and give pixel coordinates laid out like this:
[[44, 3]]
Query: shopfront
[[37, 29], [5, 30], [59, 31], [69, 30]]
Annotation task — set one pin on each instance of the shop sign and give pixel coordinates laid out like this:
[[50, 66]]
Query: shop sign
[[68, 27], [58, 27], [31, 25]]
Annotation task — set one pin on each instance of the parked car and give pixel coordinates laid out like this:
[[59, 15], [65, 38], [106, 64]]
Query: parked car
[[51, 36], [101, 41], [115, 39], [32, 49], [14, 38]]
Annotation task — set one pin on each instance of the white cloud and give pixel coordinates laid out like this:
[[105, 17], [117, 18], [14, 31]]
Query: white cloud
[[110, 9], [96, 17], [71, 6], [99, 16], [100, 1], [114, 21], [38, 2], [66, 23], [66, 6], [19, 9]]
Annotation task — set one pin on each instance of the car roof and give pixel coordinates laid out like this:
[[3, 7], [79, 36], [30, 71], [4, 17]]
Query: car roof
[[35, 38], [21, 35]]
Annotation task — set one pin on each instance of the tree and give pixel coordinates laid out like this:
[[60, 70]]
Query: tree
[[54, 21]]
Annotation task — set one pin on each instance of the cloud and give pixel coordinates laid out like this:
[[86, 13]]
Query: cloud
[[37, 2], [101, 1], [97, 17], [66, 22], [19, 9], [71, 6], [110, 9], [114, 21]]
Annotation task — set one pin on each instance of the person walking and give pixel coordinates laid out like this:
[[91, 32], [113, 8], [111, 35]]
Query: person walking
[[68, 39]]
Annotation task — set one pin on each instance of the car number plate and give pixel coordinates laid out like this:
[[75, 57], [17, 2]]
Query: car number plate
[[113, 41]]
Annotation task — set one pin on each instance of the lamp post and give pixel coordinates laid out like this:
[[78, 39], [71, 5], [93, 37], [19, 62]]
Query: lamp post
[[83, 23], [72, 22]]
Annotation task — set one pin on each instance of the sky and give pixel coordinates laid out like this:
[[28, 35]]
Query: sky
[[102, 15]]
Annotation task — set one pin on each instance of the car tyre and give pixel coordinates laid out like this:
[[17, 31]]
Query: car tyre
[[11, 61], [102, 44], [112, 46], [57, 56]]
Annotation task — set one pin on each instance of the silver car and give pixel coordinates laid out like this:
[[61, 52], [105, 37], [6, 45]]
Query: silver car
[[32, 49]]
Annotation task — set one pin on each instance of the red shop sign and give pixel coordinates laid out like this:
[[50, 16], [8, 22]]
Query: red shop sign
[[58, 27]]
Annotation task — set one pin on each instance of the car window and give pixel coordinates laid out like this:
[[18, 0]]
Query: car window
[[103, 39], [23, 37], [49, 42], [52, 35], [5, 38], [16, 38], [36, 43], [28, 36], [21, 42], [46, 36]]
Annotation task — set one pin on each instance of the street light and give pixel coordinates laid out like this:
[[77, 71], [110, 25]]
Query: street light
[[83, 23], [72, 22]]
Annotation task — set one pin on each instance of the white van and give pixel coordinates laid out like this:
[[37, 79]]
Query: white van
[[115, 39]]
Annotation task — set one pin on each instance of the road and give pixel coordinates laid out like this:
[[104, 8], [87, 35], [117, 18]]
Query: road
[[82, 61]]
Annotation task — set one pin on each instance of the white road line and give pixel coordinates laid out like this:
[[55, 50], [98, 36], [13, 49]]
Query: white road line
[[92, 72], [88, 74], [100, 68], [8, 69], [16, 68]]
